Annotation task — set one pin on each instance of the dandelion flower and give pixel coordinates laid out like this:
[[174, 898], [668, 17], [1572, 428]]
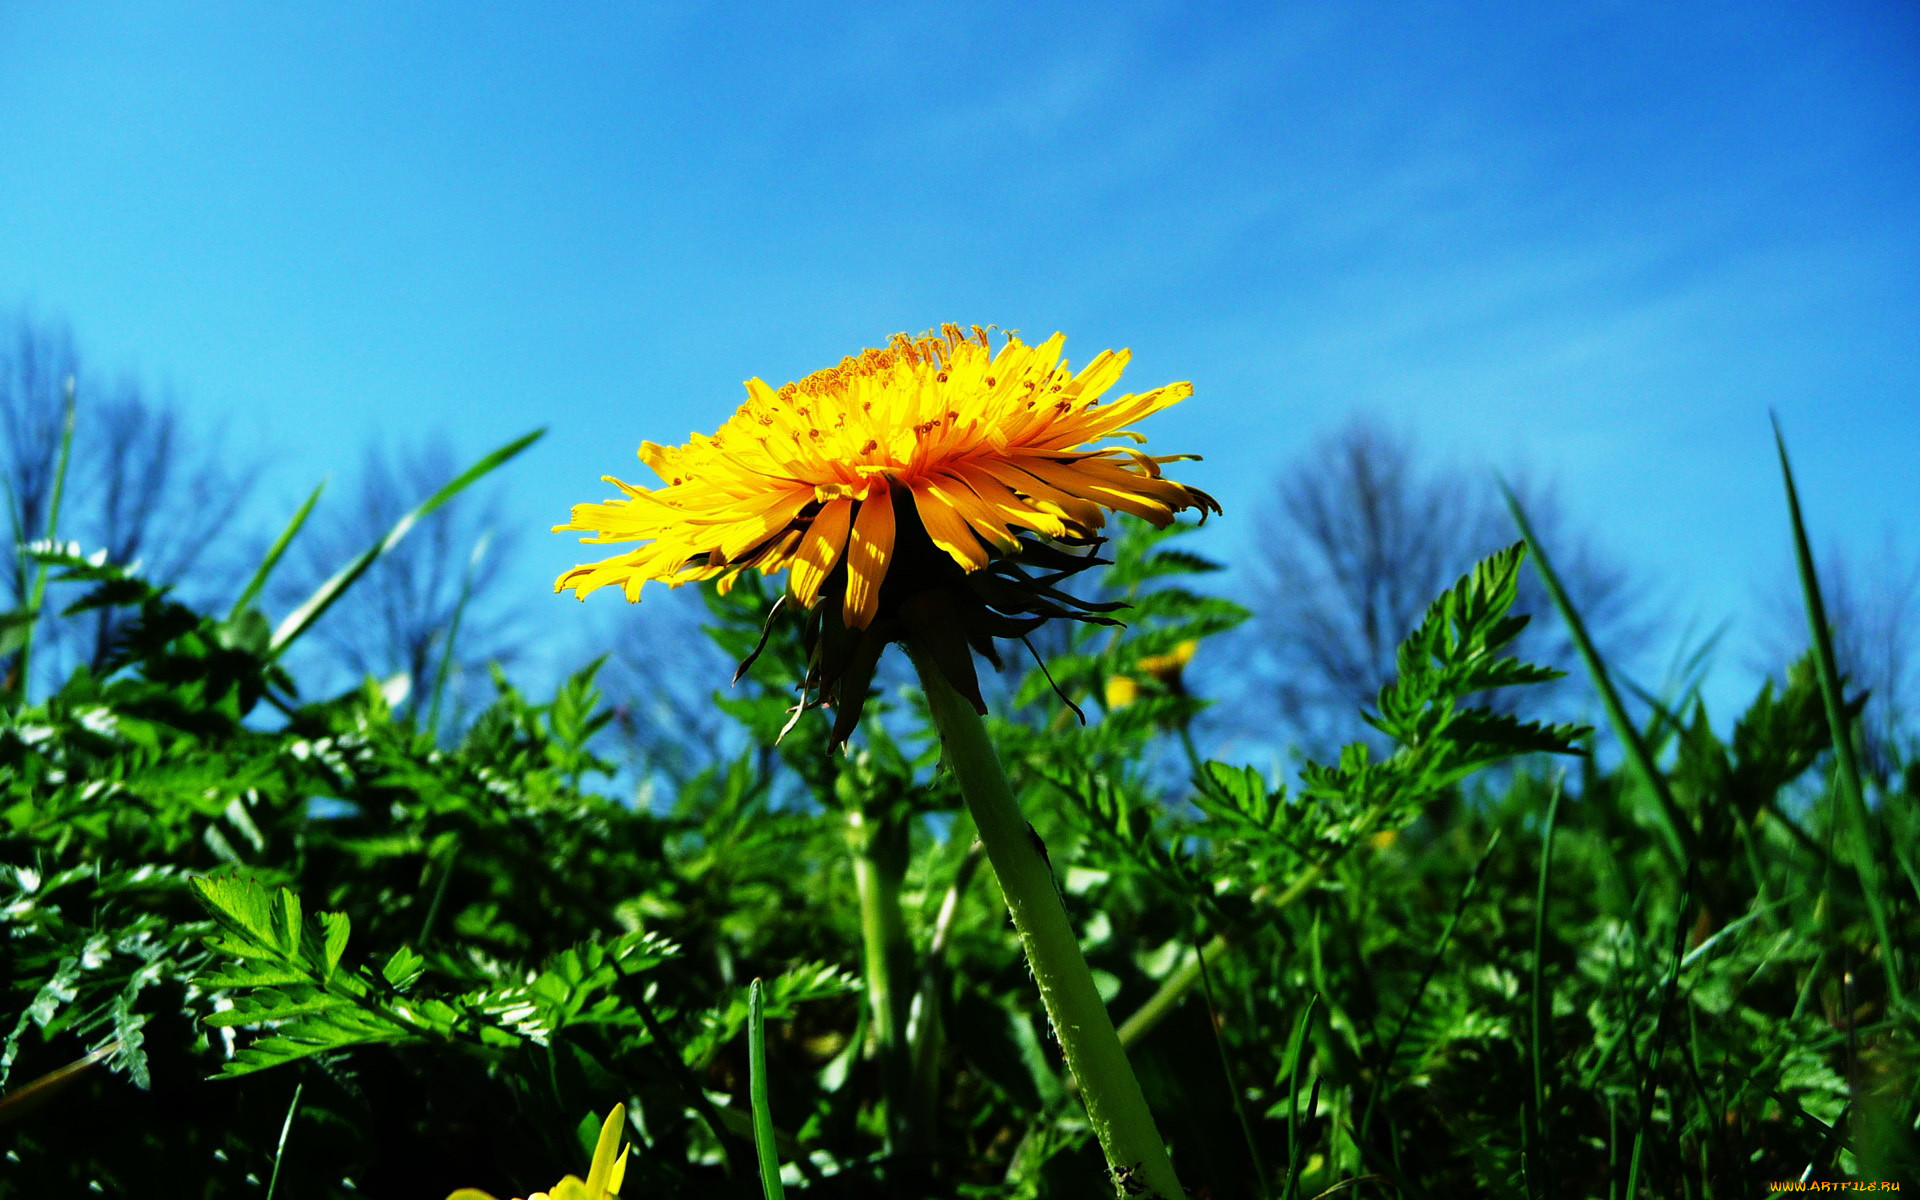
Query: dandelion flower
[[1167, 670], [936, 465], [604, 1176]]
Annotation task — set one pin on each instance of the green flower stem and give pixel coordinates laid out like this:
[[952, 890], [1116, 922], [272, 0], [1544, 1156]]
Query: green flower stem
[[879, 865], [1116, 1108]]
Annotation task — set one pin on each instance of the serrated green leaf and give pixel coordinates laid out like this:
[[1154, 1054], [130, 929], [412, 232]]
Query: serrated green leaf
[[337, 926], [1509, 734], [266, 1005], [246, 974], [286, 922], [239, 906], [403, 969]]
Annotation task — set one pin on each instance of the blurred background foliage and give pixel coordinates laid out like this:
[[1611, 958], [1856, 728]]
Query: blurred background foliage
[[323, 902]]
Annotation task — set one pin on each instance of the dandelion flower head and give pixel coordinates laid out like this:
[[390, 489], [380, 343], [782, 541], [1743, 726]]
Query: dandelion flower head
[[828, 477]]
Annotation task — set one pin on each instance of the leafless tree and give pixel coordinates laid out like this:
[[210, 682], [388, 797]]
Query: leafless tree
[[660, 680], [399, 618], [139, 486], [153, 499], [1360, 537], [1873, 615]]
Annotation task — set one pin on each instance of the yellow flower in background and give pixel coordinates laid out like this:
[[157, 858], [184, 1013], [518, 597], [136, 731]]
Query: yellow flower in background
[[1167, 670], [940, 430], [1121, 691], [604, 1176], [935, 491]]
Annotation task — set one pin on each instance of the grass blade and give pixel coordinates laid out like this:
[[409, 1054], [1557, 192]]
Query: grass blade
[[439, 891], [1291, 1065], [302, 619], [757, 1096], [1657, 1047], [30, 1096], [1542, 1004], [280, 1151], [25, 660], [1852, 795], [1633, 1171], [272, 560], [1679, 832]]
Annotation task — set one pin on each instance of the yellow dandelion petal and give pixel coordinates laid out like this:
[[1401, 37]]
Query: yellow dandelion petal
[[1084, 515], [741, 532], [1099, 482], [605, 1174], [981, 517], [948, 529], [820, 552], [1102, 373], [867, 553], [1111, 420], [1006, 509]]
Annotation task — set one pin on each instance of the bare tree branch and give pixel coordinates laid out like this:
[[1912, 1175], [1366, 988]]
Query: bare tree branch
[[154, 499], [660, 681]]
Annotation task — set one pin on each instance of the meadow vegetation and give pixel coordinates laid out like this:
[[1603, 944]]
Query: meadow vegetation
[[256, 941]]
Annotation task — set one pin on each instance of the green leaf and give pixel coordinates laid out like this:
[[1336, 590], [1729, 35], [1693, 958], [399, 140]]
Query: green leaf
[[337, 927], [403, 969], [241, 907], [250, 975], [286, 927]]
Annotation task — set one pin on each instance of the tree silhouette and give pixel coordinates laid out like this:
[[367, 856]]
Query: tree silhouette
[[150, 497], [1359, 538], [139, 486], [399, 618]]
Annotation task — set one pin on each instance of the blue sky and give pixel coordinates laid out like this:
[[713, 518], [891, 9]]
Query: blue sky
[[1594, 241]]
